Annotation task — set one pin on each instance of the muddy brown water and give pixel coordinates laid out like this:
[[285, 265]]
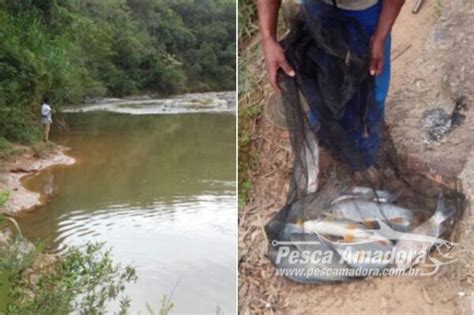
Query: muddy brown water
[[160, 191]]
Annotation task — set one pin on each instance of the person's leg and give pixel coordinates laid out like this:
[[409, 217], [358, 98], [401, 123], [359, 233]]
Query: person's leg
[[44, 132], [368, 141], [46, 128]]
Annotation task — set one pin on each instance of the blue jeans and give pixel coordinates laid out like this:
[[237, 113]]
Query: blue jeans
[[370, 145], [368, 141]]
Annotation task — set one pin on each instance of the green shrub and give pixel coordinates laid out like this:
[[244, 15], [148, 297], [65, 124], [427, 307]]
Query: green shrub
[[5, 150], [83, 281]]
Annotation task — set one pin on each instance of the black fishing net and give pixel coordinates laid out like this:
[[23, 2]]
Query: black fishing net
[[327, 104], [330, 54]]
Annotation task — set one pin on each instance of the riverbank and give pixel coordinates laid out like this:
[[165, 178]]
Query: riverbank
[[28, 163]]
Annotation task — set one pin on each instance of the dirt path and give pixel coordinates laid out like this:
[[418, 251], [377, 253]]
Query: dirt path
[[447, 292]]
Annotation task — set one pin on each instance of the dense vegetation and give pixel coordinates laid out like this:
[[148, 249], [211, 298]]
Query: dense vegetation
[[71, 50]]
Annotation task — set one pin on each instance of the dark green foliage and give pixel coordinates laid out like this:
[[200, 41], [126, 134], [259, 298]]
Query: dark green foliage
[[70, 50], [83, 281], [199, 35]]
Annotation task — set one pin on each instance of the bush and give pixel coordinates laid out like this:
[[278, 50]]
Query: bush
[[83, 281], [5, 150]]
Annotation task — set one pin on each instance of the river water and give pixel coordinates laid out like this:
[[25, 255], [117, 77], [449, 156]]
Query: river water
[[158, 186]]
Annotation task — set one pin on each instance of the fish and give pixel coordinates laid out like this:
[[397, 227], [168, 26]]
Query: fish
[[302, 257], [359, 210], [368, 255], [355, 234], [422, 238], [340, 228], [285, 230], [357, 246], [368, 193], [311, 262], [306, 169]]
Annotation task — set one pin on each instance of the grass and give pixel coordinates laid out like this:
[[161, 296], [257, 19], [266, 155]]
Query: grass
[[250, 109], [248, 26], [6, 149], [5, 286], [9, 150], [438, 8], [42, 150], [250, 98], [165, 309], [252, 92]]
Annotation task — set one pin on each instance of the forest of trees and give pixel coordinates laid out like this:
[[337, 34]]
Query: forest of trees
[[73, 49]]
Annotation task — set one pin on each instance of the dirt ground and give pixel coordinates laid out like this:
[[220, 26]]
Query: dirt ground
[[431, 66]]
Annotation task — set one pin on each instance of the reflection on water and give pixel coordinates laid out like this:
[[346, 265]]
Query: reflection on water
[[160, 190]]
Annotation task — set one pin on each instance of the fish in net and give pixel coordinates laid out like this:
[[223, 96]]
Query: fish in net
[[331, 102]]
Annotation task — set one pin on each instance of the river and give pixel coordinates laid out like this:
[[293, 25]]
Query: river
[[157, 184]]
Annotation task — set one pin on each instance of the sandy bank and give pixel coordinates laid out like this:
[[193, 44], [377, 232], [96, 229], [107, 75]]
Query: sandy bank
[[27, 164]]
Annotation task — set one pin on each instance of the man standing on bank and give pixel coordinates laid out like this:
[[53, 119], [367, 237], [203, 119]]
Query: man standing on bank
[[376, 17], [46, 118]]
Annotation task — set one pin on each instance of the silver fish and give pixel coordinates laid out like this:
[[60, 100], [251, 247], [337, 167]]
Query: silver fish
[[302, 256], [287, 229], [367, 255], [346, 229], [368, 193], [306, 172], [358, 246], [367, 197], [312, 261], [422, 238], [365, 211]]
